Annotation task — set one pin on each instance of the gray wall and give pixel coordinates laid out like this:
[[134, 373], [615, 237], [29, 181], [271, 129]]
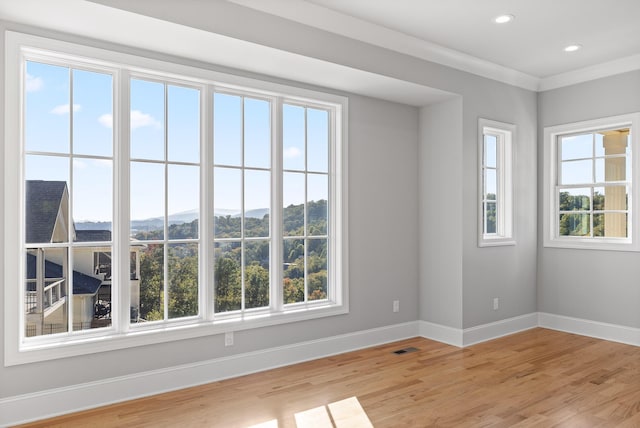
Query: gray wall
[[516, 282], [441, 208], [590, 284], [383, 254], [384, 198], [506, 272]]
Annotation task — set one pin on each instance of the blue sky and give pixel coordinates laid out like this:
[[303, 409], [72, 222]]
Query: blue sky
[[48, 136]]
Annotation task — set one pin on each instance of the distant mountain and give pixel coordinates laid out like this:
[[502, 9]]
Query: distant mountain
[[177, 218]]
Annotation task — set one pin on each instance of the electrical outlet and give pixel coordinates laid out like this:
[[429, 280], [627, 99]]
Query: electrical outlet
[[228, 339], [396, 306], [496, 303]]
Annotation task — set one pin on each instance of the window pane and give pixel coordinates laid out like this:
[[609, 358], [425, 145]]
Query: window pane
[[227, 130], [257, 195], [293, 270], [576, 147], [317, 269], [293, 201], [92, 199], [257, 133], [599, 144], [46, 199], [577, 172], [318, 140], [147, 200], [183, 280], [598, 198], [92, 113], [611, 169], [490, 150], [47, 108], [227, 276], [610, 225], [183, 201], [575, 225], [616, 198], [318, 195], [227, 200], [147, 120], [135, 255], [293, 137], [46, 291], [490, 217], [256, 274], [151, 284], [183, 124], [91, 287], [490, 184], [575, 200]]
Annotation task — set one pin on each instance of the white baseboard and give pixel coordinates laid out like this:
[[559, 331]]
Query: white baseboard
[[470, 336], [482, 333], [599, 330], [59, 401], [441, 333]]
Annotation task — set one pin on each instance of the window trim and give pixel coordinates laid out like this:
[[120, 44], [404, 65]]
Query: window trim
[[505, 159], [550, 208], [122, 336]]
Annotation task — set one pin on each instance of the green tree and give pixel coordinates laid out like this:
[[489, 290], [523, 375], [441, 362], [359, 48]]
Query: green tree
[[152, 283]]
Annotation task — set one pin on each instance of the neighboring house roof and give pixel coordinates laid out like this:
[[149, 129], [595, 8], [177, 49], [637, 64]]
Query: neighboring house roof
[[93, 235], [42, 207], [82, 284]]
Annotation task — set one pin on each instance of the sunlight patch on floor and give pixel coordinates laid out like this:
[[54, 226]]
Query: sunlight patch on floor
[[346, 413]]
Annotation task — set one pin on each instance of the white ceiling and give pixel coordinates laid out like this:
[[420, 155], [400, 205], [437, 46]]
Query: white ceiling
[[461, 32], [456, 33]]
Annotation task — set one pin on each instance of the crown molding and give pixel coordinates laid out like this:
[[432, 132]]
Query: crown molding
[[329, 20], [320, 17], [598, 71]]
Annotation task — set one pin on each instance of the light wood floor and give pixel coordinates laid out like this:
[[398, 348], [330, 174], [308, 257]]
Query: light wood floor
[[538, 378]]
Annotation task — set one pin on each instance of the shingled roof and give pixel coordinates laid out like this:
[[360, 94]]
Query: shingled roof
[[42, 207], [93, 235], [82, 284]]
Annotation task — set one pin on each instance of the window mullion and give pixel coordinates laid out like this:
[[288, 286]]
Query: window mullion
[[121, 292], [276, 299], [206, 290]]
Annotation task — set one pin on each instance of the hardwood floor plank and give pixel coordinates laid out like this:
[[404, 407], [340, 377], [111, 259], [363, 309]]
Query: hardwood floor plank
[[537, 378]]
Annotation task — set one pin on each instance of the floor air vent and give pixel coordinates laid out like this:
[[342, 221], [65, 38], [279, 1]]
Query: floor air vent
[[405, 350]]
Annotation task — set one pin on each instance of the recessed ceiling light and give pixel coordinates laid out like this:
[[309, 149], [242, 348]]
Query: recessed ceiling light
[[573, 48], [503, 19]]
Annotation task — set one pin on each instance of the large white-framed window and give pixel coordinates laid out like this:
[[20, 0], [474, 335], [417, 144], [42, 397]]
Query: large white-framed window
[[495, 183], [590, 191], [151, 201]]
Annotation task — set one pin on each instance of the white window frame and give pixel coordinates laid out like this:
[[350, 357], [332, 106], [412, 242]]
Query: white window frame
[[550, 203], [505, 137], [121, 335]]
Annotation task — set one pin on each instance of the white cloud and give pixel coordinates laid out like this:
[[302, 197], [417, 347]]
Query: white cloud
[[106, 120], [291, 152], [79, 164], [64, 109], [138, 120], [33, 84]]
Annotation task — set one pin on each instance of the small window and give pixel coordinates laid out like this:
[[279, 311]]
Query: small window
[[589, 188], [495, 216]]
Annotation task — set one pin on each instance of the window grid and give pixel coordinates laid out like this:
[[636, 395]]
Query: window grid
[[592, 185], [123, 67], [70, 243], [495, 188]]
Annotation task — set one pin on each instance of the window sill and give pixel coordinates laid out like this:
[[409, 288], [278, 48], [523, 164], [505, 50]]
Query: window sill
[[603, 244], [496, 242], [104, 341]]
